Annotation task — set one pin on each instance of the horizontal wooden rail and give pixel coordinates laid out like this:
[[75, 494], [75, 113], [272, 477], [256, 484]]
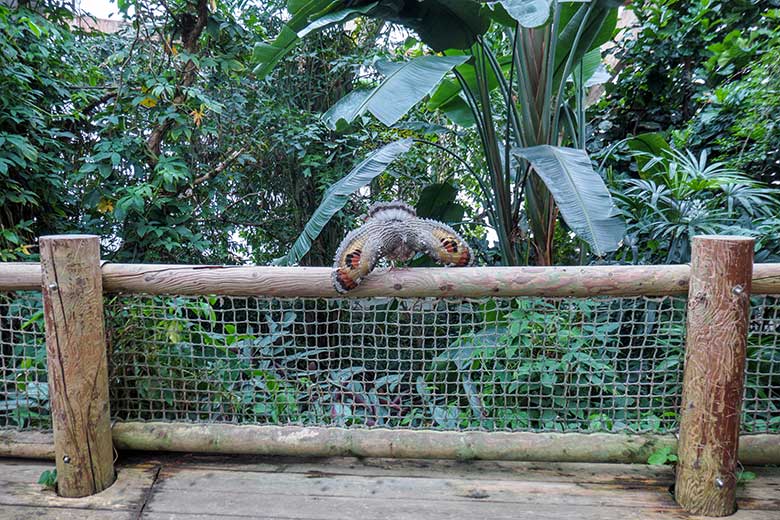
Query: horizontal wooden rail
[[322, 442], [20, 276], [301, 282]]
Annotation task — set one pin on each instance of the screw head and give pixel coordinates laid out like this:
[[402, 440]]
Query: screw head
[[738, 289], [53, 286], [66, 459], [719, 482]]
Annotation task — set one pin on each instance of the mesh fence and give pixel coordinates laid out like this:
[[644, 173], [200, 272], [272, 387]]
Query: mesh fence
[[519, 364], [24, 392], [512, 364]]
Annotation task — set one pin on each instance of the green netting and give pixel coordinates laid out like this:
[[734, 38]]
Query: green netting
[[24, 391], [507, 364], [503, 364]]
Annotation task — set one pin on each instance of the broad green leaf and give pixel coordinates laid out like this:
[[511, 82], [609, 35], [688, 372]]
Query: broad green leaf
[[459, 112], [580, 193], [645, 147], [449, 89], [340, 115], [335, 18], [499, 15], [338, 195], [398, 92], [589, 64], [269, 55], [598, 28], [528, 13], [438, 201], [441, 24]]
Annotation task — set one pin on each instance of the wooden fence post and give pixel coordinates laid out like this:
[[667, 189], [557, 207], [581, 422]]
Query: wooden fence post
[[718, 319], [77, 363]]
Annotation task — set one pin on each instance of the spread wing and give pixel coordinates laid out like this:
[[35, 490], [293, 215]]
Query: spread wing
[[356, 256], [442, 243]]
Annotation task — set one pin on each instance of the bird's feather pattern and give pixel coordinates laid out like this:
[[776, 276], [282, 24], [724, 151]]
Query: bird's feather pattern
[[392, 230], [443, 244], [356, 256]]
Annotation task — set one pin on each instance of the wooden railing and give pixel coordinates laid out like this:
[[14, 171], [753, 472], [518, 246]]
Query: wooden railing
[[719, 282]]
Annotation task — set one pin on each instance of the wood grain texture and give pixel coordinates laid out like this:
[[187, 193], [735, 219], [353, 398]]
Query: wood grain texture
[[22, 497], [718, 318], [26, 444], [323, 442], [20, 276], [766, 279], [311, 489], [436, 282], [157, 486], [754, 449], [77, 363]]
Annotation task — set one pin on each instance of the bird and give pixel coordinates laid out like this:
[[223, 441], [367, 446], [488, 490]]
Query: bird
[[394, 231]]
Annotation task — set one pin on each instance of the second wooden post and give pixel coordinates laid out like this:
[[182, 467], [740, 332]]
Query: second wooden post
[[718, 318], [77, 363]]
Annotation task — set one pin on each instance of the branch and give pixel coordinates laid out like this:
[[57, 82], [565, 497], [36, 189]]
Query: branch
[[213, 173], [99, 101]]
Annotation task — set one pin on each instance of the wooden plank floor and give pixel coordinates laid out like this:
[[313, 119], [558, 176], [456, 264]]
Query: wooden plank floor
[[189, 487]]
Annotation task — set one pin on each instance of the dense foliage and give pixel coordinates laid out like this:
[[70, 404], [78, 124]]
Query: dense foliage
[[703, 73], [173, 151]]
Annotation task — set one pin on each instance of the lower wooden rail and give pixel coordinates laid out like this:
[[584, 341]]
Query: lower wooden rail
[[756, 449]]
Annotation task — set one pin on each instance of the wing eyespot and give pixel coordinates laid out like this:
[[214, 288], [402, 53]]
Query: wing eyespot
[[449, 244], [353, 259]]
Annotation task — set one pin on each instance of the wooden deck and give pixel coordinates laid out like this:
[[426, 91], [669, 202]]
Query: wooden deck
[[189, 487]]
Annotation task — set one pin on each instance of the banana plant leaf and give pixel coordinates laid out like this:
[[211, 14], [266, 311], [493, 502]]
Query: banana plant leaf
[[403, 87], [334, 18], [267, 55], [528, 13], [441, 24], [338, 195], [580, 193], [449, 89]]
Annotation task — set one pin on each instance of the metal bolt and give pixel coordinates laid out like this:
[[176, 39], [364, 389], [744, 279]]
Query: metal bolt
[[719, 482], [66, 459], [53, 286], [738, 289]]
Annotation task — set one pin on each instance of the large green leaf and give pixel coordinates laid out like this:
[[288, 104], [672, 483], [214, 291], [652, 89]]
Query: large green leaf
[[587, 70], [584, 27], [268, 55], [649, 151], [580, 193], [338, 195], [336, 17], [459, 112], [449, 89], [528, 13], [402, 88], [441, 24], [438, 201]]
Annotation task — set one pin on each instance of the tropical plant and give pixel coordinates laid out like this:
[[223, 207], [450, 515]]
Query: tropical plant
[[679, 195], [522, 171]]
